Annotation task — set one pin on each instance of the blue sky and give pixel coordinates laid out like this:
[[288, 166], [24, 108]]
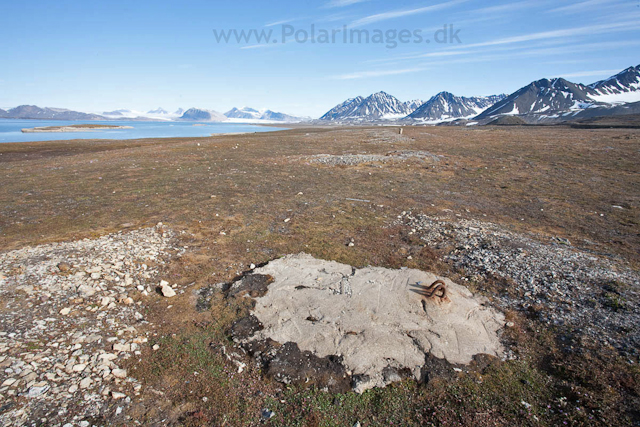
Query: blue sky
[[100, 56]]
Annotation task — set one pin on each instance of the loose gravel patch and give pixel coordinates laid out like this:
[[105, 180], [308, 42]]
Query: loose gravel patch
[[356, 159], [591, 295], [68, 320]]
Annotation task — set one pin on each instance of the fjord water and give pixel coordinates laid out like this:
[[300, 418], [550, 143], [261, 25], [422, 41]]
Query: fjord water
[[11, 130]]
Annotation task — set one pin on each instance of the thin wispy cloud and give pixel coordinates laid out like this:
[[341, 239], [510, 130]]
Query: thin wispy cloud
[[405, 12], [569, 32], [342, 3], [370, 74], [581, 7], [509, 7], [336, 17], [562, 51], [284, 21], [462, 51], [258, 46]]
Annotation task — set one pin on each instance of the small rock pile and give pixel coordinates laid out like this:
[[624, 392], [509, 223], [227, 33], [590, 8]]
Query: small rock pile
[[562, 286], [356, 159], [68, 320]]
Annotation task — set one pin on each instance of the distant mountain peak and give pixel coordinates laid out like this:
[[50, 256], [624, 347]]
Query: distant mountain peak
[[445, 106], [247, 113], [46, 113], [558, 98], [201, 115], [378, 106], [158, 111]]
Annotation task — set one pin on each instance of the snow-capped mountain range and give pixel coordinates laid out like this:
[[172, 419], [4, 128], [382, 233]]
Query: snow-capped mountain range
[[33, 112], [246, 113], [157, 114], [552, 99], [200, 115], [545, 99], [379, 106], [446, 106], [382, 106]]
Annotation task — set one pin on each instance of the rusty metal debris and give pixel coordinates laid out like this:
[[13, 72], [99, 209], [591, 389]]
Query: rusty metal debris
[[437, 289]]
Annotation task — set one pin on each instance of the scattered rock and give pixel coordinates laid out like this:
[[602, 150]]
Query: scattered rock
[[357, 159], [545, 278], [50, 356], [86, 383], [119, 373], [167, 291], [266, 414]]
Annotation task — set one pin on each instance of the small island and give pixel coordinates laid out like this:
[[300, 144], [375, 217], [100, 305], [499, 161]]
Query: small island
[[74, 128]]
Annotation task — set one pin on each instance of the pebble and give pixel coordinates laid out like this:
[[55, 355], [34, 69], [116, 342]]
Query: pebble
[[266, 414], [86, 382], [119, 373], [167, 290]]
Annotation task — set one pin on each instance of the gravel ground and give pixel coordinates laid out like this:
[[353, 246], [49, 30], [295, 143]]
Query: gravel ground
[[386, 136], [68, 320], [356, 159], [590, 295]]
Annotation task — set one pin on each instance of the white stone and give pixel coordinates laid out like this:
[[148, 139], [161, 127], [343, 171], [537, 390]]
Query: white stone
[[122, 347], [9, 382], [168, 291], [119, 373], [107, 357]]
